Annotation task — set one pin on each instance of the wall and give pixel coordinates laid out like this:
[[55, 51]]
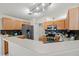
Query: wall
[[38, 29], [0, 46], [51, 18], [1, 51], [0, 23], [14, 18]]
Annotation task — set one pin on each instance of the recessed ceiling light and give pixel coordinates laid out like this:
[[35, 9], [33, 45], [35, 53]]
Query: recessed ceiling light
[[43, 4]]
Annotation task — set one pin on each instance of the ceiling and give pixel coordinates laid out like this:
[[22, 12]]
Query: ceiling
[[18, 10]]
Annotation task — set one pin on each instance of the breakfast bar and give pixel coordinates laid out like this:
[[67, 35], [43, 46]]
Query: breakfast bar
[[26, 47]]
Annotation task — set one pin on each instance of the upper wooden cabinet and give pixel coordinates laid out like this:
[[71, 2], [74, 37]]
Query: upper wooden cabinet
[[11, 24], [7, 24], [18, 24], [67, 22], [46, 24], [73, 19], [59, 23]]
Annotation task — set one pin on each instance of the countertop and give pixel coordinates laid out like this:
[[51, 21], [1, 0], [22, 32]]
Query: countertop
[[39, 47], [59, 48]]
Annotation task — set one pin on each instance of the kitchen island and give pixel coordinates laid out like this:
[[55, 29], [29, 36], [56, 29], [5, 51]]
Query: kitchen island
[[27, 47]]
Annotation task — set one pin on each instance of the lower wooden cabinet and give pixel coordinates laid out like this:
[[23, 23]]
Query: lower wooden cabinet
[[5, 48]]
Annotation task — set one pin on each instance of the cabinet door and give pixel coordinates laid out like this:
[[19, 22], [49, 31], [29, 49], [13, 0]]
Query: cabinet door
[[6, 47], [18, 24], [46, 24], [7, 24], [60, 24], [12, 24], [74, 19]]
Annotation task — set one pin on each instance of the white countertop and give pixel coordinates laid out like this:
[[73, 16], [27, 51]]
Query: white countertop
[[49, 48]]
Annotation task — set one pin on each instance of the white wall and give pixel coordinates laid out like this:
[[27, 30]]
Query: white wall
[[1, 51], [0, 46], [41, 30], [38, 29], [0, 23], [46, 19], [14, 18]]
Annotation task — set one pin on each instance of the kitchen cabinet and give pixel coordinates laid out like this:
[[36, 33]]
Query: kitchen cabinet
[[6, 48], [73, 19], [7, 24], [46, 24], [12, 24], [18, 25], [59, 23], [67, 22], [71, 22]]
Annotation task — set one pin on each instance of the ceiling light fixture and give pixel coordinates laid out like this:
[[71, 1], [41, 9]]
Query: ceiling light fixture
[[37, 8], [43, 4], [43, 9]]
